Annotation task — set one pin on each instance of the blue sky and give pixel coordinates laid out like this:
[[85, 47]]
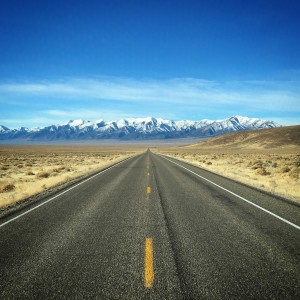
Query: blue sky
[[62, 60]]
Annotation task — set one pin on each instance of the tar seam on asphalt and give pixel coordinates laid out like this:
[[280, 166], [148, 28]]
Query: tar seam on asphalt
[[178, 267]]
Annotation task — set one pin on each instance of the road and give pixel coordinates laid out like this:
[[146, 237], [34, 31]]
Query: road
[[152, 227]]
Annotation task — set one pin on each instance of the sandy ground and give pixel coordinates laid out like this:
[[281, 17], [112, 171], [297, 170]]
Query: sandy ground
[[29, 170], [277, 172]]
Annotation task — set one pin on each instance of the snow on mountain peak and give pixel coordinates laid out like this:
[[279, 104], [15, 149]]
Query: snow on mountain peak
[[242, 119], [98, 121], [3, 128], [77, 122], [141, 120]]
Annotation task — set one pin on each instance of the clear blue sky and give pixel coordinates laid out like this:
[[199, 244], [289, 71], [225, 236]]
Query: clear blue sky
[[62, 60]]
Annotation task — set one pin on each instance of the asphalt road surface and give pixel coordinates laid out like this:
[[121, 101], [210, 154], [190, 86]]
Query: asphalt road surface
[[152, 227]]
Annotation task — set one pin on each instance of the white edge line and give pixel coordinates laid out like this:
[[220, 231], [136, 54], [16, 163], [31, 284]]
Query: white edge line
[[69, 189], [240, 197]]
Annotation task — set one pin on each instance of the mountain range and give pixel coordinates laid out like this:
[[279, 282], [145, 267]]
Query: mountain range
[[135, 128]]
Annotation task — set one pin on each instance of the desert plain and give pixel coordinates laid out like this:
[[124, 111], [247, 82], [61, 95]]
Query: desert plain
[[28, 170], [267, 159]]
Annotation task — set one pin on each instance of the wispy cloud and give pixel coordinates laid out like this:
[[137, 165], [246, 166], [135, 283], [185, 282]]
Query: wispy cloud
[[115, 89], [88, 114], [27, 122], [178, 91], [111, 97]]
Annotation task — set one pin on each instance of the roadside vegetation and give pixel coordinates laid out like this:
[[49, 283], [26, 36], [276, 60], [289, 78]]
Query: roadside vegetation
[[276, 173]]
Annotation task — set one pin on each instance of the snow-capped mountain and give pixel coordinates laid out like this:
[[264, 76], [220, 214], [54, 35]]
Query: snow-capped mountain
[[135, 128]]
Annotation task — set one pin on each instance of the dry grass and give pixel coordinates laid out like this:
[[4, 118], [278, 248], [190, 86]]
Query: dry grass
[[29, 170]]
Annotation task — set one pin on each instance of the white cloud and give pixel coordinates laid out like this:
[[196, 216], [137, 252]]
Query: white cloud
[[178, 90], [87, 114], [185, 91]]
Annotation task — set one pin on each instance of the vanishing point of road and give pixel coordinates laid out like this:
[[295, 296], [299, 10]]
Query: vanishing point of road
[[152, 227]]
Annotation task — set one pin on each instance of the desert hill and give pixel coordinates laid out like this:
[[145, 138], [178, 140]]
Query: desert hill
[[287, 138]]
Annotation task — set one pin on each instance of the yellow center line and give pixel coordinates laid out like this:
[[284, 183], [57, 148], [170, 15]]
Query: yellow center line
[[148, 189], [149, 273]]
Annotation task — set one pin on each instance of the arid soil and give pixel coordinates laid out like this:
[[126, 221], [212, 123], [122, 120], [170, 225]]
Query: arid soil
[[30, 170]]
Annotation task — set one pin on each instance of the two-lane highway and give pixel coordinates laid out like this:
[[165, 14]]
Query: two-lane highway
[[152, 227]]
